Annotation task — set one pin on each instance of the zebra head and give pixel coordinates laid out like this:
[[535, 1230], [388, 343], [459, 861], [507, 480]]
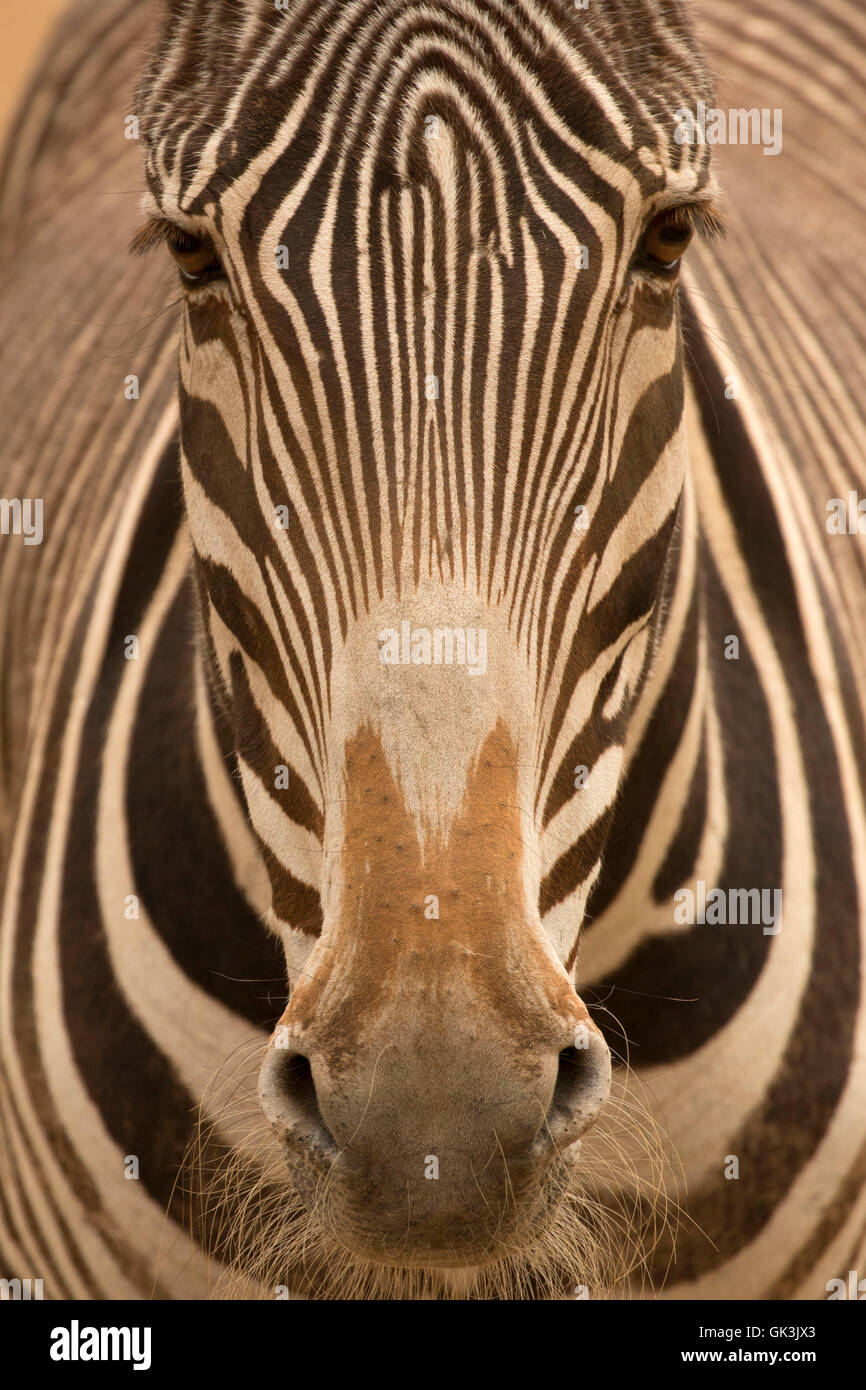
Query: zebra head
[[433, 452]]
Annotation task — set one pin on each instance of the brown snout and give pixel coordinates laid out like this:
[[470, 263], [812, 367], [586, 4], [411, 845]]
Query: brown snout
[[431, 1067]]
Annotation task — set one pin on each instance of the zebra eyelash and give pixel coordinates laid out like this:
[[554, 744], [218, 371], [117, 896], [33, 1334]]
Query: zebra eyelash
[[704, 218], [158, 231]]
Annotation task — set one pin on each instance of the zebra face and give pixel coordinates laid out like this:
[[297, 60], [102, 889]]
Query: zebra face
[[433, 453]]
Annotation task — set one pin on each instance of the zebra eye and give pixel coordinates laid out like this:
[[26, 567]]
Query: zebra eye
[[665, 240], [195, 257]]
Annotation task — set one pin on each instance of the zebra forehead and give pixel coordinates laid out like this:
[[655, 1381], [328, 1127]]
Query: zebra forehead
[[227, 75], [221, 32]]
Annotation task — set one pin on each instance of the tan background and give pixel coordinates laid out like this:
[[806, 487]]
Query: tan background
[[24, 28]]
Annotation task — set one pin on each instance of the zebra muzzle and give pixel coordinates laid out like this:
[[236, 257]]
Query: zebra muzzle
[[437, 1135]]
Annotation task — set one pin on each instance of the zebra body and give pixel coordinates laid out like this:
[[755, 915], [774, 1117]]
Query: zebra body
[[121, 791]]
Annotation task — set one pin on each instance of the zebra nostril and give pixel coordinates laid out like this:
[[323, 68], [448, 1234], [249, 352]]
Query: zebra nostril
[[581, 1089], [287, 1095]]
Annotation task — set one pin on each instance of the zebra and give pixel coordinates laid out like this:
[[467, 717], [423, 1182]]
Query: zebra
[[452, 381]]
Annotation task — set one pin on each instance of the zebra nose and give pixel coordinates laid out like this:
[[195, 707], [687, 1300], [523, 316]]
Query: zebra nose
[[289, 1101], [434, 1151], [582, 1088]]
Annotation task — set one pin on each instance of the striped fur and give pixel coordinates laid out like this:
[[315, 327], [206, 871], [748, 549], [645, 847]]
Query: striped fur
[[117, 776]]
